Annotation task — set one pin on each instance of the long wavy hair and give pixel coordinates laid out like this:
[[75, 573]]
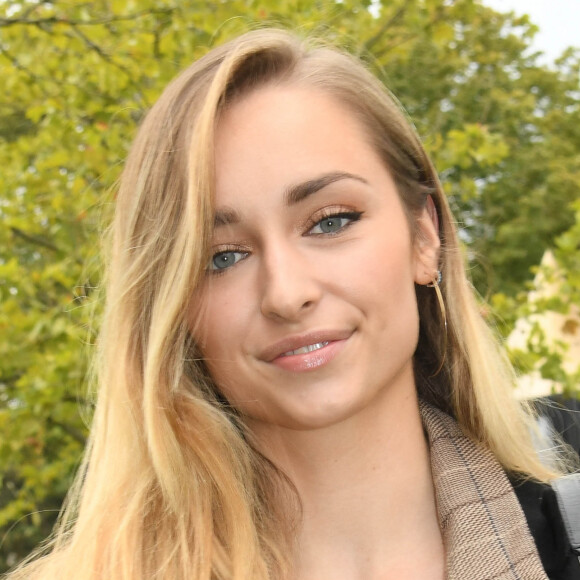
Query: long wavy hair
[[171, 486]]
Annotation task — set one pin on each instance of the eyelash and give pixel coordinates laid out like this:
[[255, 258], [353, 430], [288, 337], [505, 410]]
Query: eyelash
[[327, 215], [233, 250], [330, 214]]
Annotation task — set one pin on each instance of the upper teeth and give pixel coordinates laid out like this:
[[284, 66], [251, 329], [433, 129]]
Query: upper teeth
[[305, 349]]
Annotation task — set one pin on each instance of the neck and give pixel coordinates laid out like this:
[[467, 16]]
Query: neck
[[367, 494]]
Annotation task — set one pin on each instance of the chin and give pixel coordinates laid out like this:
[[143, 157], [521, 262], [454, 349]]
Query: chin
[[313, 415]]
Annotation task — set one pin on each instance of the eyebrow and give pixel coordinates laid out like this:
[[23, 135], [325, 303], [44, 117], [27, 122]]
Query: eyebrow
[[293, 194], [297, 193]]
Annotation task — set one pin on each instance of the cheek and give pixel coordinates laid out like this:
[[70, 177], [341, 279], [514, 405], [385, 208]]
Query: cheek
[[383, 282], [220, 318], [382, 266], [218, 337]]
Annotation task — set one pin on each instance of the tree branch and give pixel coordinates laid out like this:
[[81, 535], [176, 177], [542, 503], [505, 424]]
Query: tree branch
[[5, 380], [74, 22], [109, 60], [17, 65], [397, 16], [34, 239], [78, 401], [73, 432]]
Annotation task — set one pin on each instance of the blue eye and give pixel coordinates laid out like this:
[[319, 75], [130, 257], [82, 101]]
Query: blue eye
[[332, 224], [225, 260]]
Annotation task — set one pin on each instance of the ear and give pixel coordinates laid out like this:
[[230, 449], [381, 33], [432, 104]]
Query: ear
[[427, 244]]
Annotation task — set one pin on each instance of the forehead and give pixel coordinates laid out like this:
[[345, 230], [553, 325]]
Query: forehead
[[284, 98], [284, 134]]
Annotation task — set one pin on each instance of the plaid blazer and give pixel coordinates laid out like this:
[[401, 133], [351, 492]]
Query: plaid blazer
[[485, 530]]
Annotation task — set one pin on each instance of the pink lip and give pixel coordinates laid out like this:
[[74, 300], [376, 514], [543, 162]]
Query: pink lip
[[309, 360]]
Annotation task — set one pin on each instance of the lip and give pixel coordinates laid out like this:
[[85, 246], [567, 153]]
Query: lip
[[276, 353]]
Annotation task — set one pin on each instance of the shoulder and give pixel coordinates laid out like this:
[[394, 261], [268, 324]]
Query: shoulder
[[544, 519]]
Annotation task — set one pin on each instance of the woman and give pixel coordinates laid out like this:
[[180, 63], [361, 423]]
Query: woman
[[288, 334]]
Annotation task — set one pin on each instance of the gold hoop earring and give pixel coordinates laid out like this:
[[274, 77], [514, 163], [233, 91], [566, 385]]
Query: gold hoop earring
[[435, 284]]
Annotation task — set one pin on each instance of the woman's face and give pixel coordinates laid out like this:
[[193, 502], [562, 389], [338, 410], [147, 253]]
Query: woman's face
[[308, 310]]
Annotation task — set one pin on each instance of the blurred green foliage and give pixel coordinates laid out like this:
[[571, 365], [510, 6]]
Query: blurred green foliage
[[77, 77]]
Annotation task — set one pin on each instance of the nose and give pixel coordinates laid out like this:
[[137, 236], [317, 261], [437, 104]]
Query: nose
[[289, 284]]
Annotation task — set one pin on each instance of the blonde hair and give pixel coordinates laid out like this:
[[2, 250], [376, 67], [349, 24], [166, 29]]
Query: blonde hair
[[171, 486]]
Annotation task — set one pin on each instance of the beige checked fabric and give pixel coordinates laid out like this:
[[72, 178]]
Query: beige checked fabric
[[484, 529]]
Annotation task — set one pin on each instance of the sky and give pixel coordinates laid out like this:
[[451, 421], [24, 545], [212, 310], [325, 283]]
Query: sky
[[559, 22]]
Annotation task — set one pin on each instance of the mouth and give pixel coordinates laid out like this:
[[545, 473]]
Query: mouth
[[306, 349]]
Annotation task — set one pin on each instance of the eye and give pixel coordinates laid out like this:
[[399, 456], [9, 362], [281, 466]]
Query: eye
[[334, 223], [223, 260]]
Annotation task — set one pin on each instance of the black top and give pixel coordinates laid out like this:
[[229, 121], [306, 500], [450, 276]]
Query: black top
[[564, 414], [547, 527]]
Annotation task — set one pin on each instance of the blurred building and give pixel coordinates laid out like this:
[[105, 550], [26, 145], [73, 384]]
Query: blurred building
[[557, 329]]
